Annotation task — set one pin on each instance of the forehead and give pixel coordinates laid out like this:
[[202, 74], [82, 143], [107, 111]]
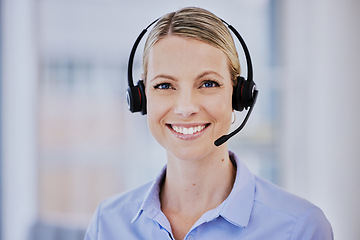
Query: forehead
[[181, 54]]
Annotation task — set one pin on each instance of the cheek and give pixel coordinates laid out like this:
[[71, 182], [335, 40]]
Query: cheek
[[156, 110], [156, 104], [220, 107]]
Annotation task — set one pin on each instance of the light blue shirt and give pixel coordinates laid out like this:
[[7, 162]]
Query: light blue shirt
[[255, 209]]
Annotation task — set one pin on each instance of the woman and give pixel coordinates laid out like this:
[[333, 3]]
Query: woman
[[190, 66]]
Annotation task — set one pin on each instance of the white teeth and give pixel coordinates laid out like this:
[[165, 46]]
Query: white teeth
[[188, 131]]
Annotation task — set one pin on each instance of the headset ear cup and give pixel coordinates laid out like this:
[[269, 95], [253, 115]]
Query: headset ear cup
[[136, 98], [143, 97], [236, 97], [243, 95], [247, 93], [133, 99]]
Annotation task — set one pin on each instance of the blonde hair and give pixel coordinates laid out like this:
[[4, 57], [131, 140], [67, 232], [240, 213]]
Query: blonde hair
[[195, 23]]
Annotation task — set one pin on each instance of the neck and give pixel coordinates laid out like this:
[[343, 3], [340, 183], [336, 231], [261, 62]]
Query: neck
[[195, 186]]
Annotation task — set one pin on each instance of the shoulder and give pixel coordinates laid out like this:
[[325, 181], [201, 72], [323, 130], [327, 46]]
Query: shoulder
[[277, 199], [115, 213], [307, 220], [126, 200]]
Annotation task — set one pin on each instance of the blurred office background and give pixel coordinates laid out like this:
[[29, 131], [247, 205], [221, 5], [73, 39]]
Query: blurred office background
[[68, 140]]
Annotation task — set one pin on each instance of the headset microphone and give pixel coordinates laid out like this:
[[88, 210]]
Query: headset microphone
[[226, 137]]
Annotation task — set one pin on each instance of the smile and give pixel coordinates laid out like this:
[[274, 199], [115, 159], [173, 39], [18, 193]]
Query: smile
[[187, 130]]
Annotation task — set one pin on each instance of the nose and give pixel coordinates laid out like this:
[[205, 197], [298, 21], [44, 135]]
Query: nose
[[186, 104]]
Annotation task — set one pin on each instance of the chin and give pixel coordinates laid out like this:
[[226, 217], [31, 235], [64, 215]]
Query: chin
[[191, 152]]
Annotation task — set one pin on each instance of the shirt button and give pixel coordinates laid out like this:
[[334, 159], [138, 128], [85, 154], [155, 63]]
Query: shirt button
[[190, 238]]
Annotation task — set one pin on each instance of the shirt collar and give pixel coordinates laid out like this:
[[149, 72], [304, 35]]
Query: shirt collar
[[239, 204], [236, 209], [151, 204]]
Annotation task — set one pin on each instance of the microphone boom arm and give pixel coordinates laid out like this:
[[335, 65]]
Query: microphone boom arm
[[226, 137]]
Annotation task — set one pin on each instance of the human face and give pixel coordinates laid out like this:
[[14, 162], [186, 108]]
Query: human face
[[189, 96]]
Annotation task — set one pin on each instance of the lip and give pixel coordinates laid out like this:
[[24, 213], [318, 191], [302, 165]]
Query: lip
[[187, 131]]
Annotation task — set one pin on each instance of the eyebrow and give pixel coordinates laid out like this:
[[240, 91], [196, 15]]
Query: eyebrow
[[201, 75], [164, 76]]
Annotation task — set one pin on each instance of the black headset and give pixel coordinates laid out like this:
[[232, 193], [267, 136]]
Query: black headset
[[244, 93]]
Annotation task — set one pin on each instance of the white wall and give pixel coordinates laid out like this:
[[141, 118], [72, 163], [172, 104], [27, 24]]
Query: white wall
[[321, 56], [18, 174]]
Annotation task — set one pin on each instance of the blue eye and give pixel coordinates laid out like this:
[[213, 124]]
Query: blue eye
[[163, 86], [210, 84]]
